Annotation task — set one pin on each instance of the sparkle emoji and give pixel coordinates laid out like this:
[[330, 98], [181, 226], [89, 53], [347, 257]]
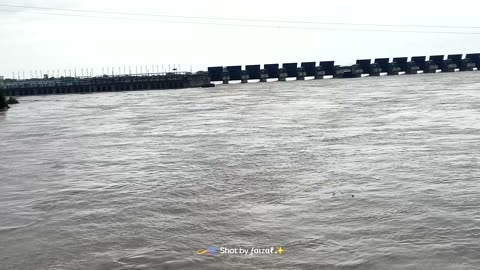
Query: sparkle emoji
[[278, 251]]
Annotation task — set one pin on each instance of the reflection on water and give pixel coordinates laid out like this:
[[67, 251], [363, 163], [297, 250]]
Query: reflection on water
[[142, 180]]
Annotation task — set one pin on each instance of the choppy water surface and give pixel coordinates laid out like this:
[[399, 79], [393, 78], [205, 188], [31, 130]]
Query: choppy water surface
[[141, 180]]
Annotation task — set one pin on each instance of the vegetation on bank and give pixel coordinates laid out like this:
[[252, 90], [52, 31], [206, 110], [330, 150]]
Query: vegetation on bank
[[12, 100], [4, 102]]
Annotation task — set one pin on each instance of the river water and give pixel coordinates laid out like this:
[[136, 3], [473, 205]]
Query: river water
[[142, 180]]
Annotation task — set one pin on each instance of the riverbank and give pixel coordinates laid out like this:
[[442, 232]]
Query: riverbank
[[4, 103]]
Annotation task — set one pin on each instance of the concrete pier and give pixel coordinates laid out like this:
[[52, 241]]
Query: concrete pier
[[263, 75], [384, 65], [391, 68], [446, 65], [467, 65], [369, 68], [339, 73], [412, 68], [282, 74], [409, 67], [375, 69], [449, 66], [331, 69], [245, 76], [301, 74], [225, 77], [353, 71], [428, 66], [462, 64], [474, 58], [319, 73]]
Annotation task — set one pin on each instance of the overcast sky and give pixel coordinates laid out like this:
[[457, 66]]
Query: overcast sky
[[30, 41]]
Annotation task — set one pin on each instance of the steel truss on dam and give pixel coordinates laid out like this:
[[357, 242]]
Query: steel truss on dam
[[362, 67]]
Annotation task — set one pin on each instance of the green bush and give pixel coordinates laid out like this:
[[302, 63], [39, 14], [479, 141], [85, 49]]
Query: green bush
[[12, 100], [3, 102]]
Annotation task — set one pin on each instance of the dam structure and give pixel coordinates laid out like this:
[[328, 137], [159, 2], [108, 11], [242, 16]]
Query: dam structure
[[361, 68], [105, 83], [226, 74]]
